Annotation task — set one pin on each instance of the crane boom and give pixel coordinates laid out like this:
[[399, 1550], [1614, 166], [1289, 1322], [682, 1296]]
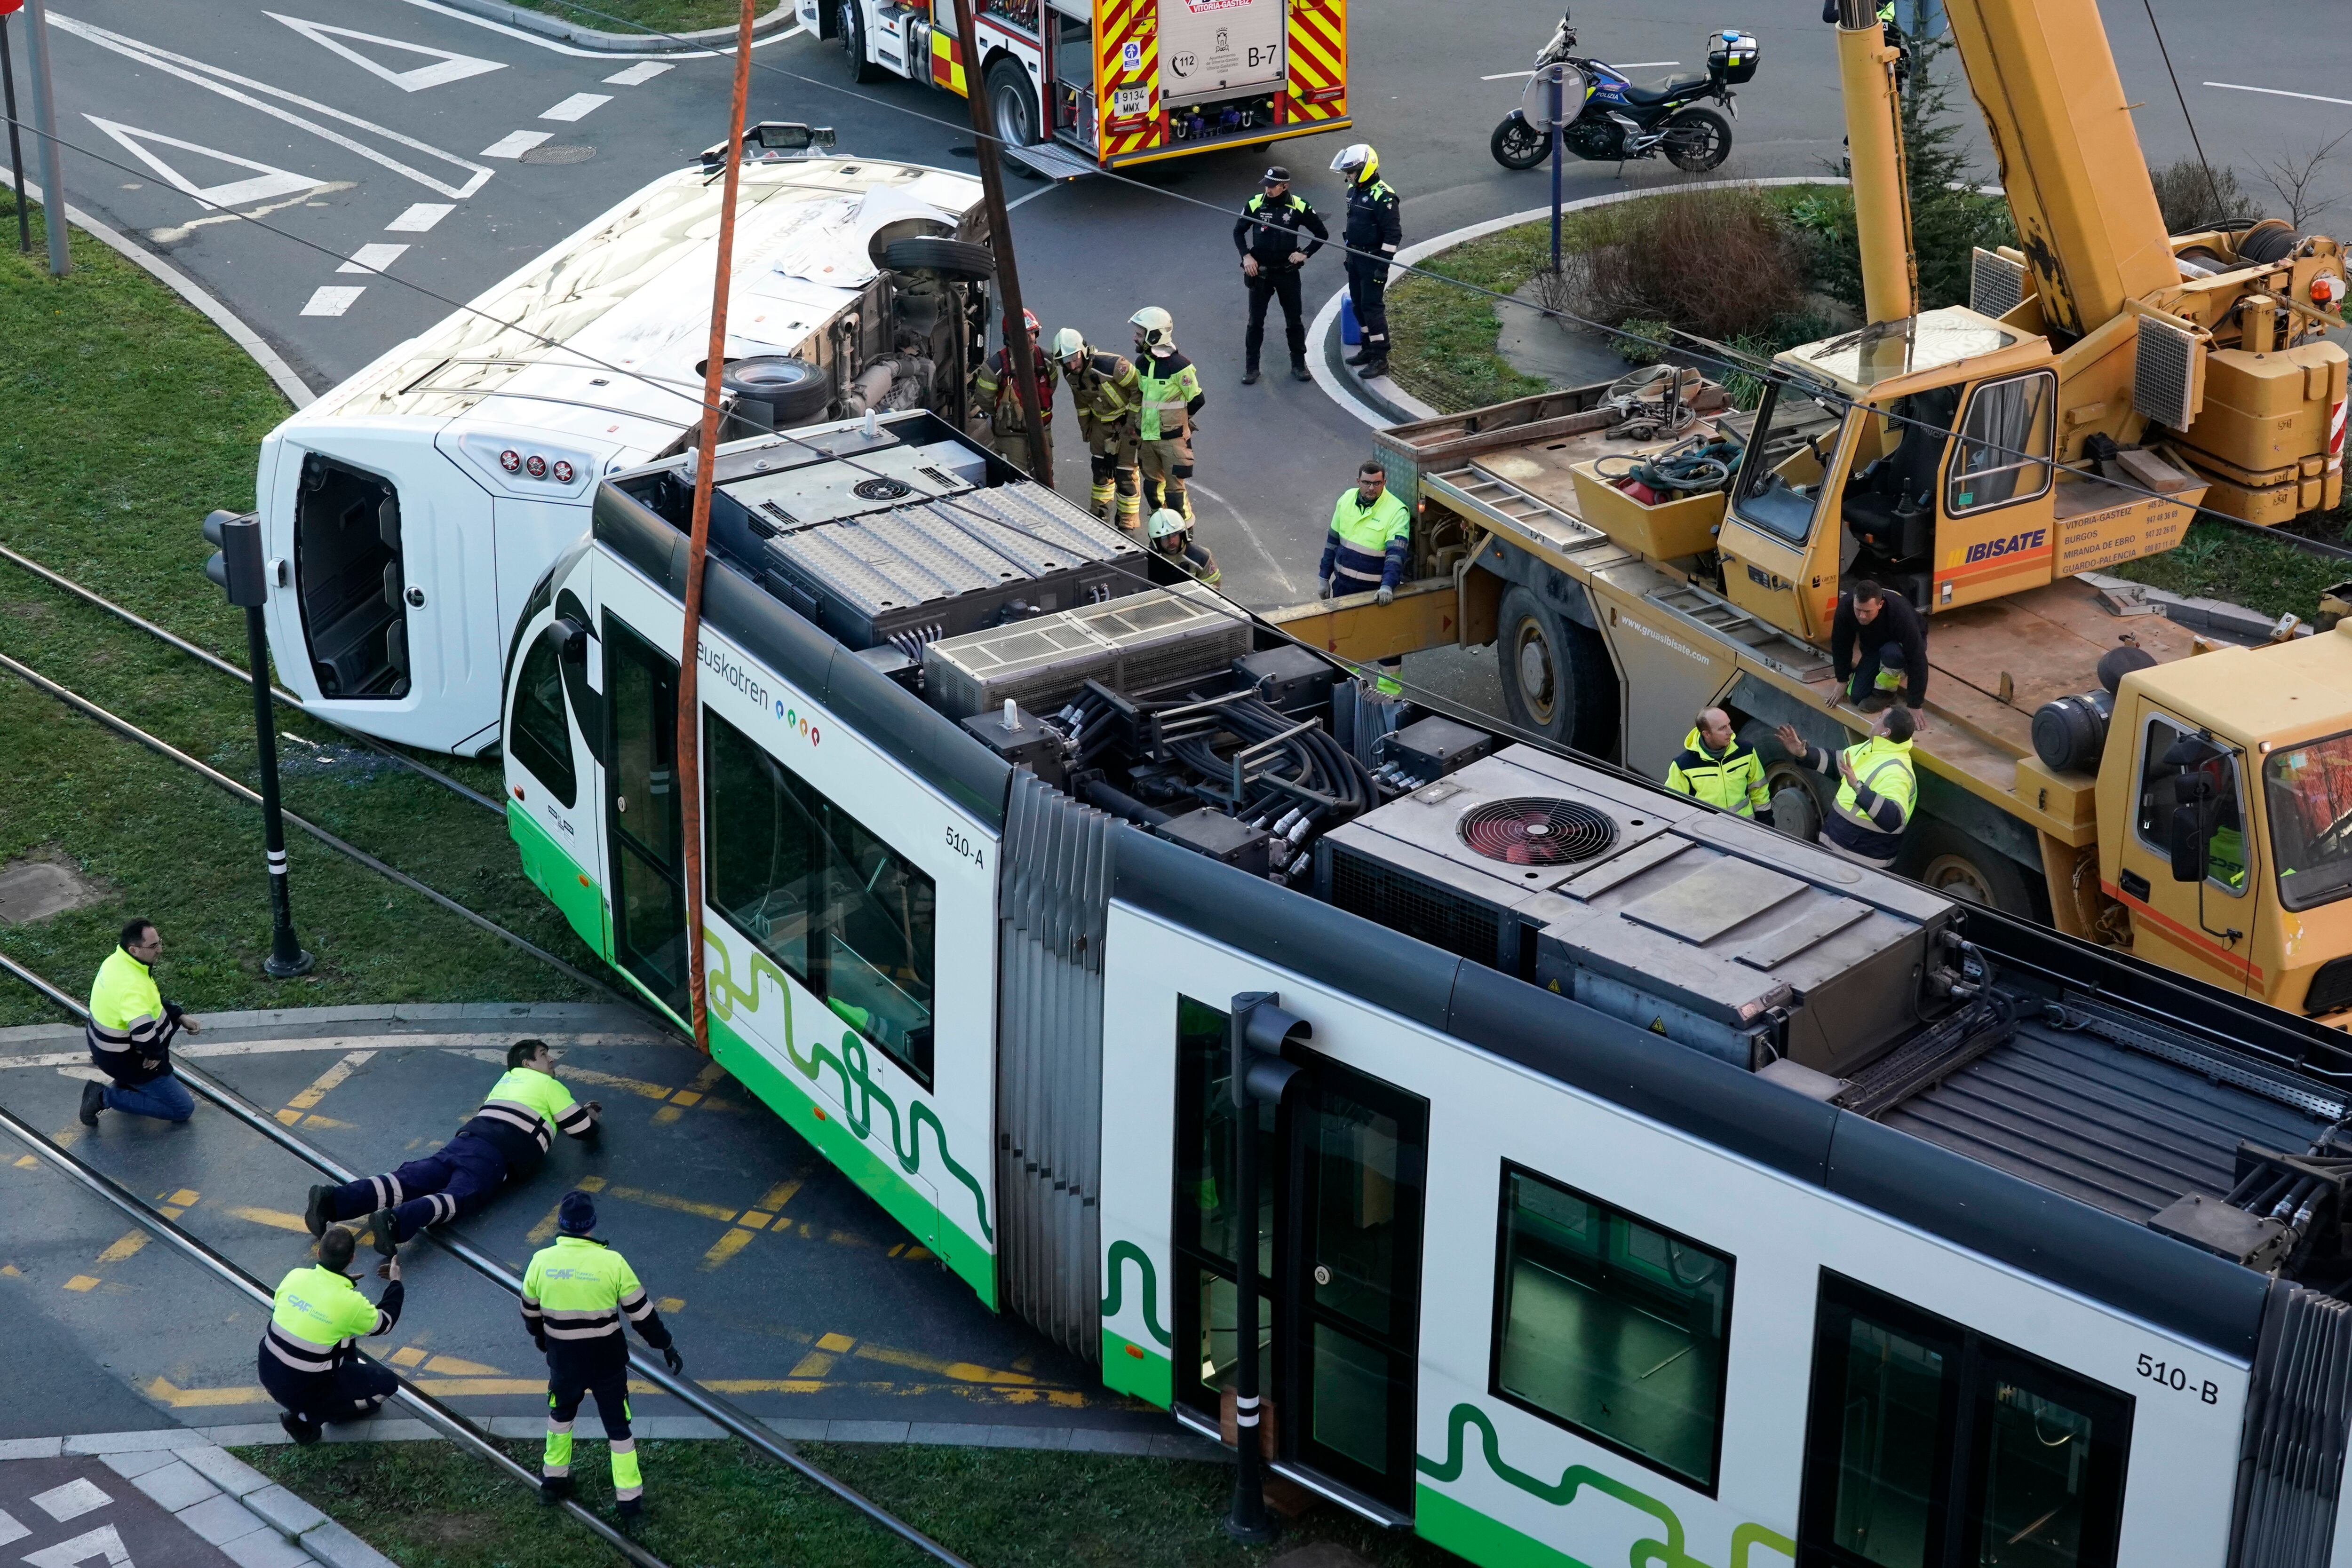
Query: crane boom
[[2069, 156]]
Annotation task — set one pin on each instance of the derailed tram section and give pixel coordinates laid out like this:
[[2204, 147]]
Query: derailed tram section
[[1653, 1188]]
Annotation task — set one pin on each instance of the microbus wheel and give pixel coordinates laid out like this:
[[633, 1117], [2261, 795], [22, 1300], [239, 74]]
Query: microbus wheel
[[851, 28], [1950, 862], [1557, 680], [1697, 139], [957, 260], [1012, 107]]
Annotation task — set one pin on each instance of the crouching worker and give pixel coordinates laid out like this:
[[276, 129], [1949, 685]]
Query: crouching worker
[[1878, 789], [574, 1295], [308, 1362], [502, 1141]]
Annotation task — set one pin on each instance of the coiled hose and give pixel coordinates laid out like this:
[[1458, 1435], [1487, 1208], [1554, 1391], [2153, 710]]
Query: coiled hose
[[1698, 463]]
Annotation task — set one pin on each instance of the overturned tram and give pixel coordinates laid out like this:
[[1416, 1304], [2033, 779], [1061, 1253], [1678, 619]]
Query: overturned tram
[[1652, 1188]]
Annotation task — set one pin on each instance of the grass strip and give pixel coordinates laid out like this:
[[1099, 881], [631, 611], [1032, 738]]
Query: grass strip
[[716, 1505], [2216, 561], [663, 15], [101, 483]]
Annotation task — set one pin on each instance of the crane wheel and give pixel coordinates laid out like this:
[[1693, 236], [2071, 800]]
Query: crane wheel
[[1557, 678]]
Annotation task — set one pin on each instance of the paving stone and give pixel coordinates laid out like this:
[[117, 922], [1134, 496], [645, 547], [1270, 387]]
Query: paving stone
[[130, 1465], [130, 1442], [267, 1549], [221, 1519], [336, 1547], [797, 1429], [670, 1428], [1010, 1436], [867, 1431], [259, 1434], [948, 1434], [175, 1486], [283, 1509], [31, 1448], [1085, 1440], [522, 1427], [225, 1469]]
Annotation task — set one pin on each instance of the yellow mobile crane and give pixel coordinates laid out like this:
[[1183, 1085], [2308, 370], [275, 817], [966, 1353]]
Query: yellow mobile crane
[[2106, 379]]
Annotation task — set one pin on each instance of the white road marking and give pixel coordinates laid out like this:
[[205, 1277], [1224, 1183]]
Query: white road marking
[[372, 259], [515, 143], [1250, 533], [579, 106], [1628, 66], [333, 299], [2278, 92], [536, 41], [637, 75], [265, 182], [173, 234], [447, 67], [420, 218], [71, 1500], [10, 1530], [164, 60], [104, 1541]]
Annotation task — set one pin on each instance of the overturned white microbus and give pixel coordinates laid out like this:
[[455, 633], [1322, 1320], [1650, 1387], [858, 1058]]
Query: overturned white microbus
[[407, 512]]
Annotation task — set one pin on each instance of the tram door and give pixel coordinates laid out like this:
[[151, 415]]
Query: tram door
[[1340, 1241], [641, 816]]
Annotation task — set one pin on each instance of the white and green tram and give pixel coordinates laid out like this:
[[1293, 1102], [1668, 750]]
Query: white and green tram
[[1656, 1190]]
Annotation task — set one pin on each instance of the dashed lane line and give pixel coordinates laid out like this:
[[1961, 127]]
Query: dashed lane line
[[637, 75], [419, 217], [333, 300], [374, 258], [579, 106], [515, 143]]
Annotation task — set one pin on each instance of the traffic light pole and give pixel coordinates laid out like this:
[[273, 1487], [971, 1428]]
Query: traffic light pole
[[286, 959]]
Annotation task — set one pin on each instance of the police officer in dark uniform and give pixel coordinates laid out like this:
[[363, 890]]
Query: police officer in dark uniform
[[1273, 250], [1372, 236]]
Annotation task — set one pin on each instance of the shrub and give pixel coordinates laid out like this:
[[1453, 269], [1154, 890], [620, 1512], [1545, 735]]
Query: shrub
[[1713, 262], [1646, 343], [2191, 200]]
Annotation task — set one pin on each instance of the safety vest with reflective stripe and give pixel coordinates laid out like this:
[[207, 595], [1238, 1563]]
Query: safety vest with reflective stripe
[[318, 1312], [129, 1026], [1168, 385], [1365, 542], [1733, 781], [580, 1288], [533, 1104], [1883, 767], [1105, 388]]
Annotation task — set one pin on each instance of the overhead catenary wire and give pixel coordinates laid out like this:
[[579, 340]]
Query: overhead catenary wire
[[720, 1411], [2213, 184], [188, 1246], [206, 655]]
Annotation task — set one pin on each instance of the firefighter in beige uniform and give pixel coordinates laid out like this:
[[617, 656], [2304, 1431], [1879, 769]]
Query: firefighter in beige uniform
[[1170, 390]]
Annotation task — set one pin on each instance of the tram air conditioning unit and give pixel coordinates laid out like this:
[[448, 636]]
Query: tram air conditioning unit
[[1718, 934], [1136, 643]]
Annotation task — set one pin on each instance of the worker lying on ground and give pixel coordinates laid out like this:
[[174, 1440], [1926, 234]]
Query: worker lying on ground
[[1715, 768], [504, 1141], [1877, 790], [309, 1364], [574, 1295], [1878, 646]]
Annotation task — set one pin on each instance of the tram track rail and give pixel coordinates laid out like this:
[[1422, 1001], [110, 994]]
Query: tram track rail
[[721, 1412], [285, 699]]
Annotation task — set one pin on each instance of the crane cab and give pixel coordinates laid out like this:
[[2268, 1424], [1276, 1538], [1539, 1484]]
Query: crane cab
[[1917, 453]]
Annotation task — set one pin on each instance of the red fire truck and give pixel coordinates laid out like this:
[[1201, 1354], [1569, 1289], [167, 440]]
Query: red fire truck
[[1079, 84]]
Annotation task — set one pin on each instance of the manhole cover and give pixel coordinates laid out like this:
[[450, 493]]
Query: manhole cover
[[34, 890], [567, 152]]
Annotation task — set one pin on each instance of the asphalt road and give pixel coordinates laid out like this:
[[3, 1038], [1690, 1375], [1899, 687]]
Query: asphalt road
[[352, 124]]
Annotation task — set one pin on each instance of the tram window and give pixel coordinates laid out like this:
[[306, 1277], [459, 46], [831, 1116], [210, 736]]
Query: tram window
[[1613, 1327], [1930, 1446], [822, 895], [538, 738], [1205, 1231]]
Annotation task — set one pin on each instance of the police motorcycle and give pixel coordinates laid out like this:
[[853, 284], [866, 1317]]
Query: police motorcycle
[[1617, 121]]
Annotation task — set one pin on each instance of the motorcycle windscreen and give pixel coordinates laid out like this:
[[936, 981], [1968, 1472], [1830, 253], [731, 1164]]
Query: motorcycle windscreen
[[1221, 48]]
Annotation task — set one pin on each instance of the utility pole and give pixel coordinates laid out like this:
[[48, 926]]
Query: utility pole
[[1259, 1030], [238, 566], [45, 125], [15, 141], [697, 547], [1019, 354]]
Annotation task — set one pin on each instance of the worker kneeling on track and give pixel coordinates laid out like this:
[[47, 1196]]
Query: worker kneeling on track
[[574, 1295], [504, 1141], [1172, 542], [1878, 789], [309, 1364], [1715, 768]]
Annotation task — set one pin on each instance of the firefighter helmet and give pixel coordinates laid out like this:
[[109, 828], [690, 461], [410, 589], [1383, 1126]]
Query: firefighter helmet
[[1028, 319], [1154, 325], [1068, 343], [1166, 522]]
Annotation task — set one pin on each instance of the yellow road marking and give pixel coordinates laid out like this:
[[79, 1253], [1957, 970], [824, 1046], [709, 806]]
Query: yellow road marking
[[835, 1342], [726, 1246], [675, 1204], [129, 1242], [815, 1363], [669, 1304], [11, 1270], [763, 1386], [758, 1218], [711, 1073], [166, 1392], [540, 1234], [82, 1282], [453, 1366], [407, 1355], [754, 1220], [958, 1371], [178, 1203], [179, 1398], [323, 1085], [612, 1081], [25, 1162], [323, 1123], [275, 1218]]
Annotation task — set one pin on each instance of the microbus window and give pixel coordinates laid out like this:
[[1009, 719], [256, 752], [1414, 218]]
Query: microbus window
[[823, 896], [1930, 1446], [538, 736], [1613, 1327]]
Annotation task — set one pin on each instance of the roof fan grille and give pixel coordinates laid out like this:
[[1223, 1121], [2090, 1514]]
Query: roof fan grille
[[1537, 832]]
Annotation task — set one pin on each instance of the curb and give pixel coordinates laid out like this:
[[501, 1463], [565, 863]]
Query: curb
[[570, 1018], [242, 1513], [296, 391], [590, 40], [1393, 405]]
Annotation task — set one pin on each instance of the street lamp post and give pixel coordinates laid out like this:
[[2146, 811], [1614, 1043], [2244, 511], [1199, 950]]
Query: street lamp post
[[238, 566]]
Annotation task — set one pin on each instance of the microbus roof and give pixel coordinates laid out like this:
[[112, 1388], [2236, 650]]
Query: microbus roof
[[601, 338]]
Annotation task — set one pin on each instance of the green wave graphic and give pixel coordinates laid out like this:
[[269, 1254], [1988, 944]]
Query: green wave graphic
[[851, 1066], [1667, 1551], [1126, 1251]]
